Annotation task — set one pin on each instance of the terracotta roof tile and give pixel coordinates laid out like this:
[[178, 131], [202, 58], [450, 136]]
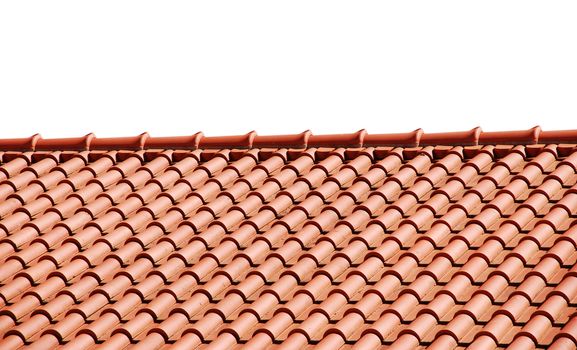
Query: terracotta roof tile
[[360, 240]]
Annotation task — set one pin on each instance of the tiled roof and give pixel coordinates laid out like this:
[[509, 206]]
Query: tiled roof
[[358, 240]]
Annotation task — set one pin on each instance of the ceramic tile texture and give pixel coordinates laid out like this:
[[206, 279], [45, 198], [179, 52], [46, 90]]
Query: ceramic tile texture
[[363, 241]]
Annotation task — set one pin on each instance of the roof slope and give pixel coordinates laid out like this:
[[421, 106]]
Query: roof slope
[[334, 241]]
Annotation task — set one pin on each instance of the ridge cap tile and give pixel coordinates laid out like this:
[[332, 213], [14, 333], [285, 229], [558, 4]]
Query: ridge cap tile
[[304, 140]]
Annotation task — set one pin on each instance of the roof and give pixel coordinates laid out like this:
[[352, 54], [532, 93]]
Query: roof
[[443, 240]]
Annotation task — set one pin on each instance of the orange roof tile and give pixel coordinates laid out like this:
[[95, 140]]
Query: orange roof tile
[[410, 240]]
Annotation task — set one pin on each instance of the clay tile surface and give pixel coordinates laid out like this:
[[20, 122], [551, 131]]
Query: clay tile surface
[[346, 241]]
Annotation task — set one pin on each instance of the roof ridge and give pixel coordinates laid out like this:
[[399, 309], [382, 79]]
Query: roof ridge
[[305, 139]]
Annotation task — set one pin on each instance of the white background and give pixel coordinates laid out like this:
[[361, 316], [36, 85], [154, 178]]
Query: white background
[[119, 68]]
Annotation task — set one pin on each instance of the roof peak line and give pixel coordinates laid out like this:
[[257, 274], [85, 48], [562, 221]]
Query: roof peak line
[[305, 139]]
